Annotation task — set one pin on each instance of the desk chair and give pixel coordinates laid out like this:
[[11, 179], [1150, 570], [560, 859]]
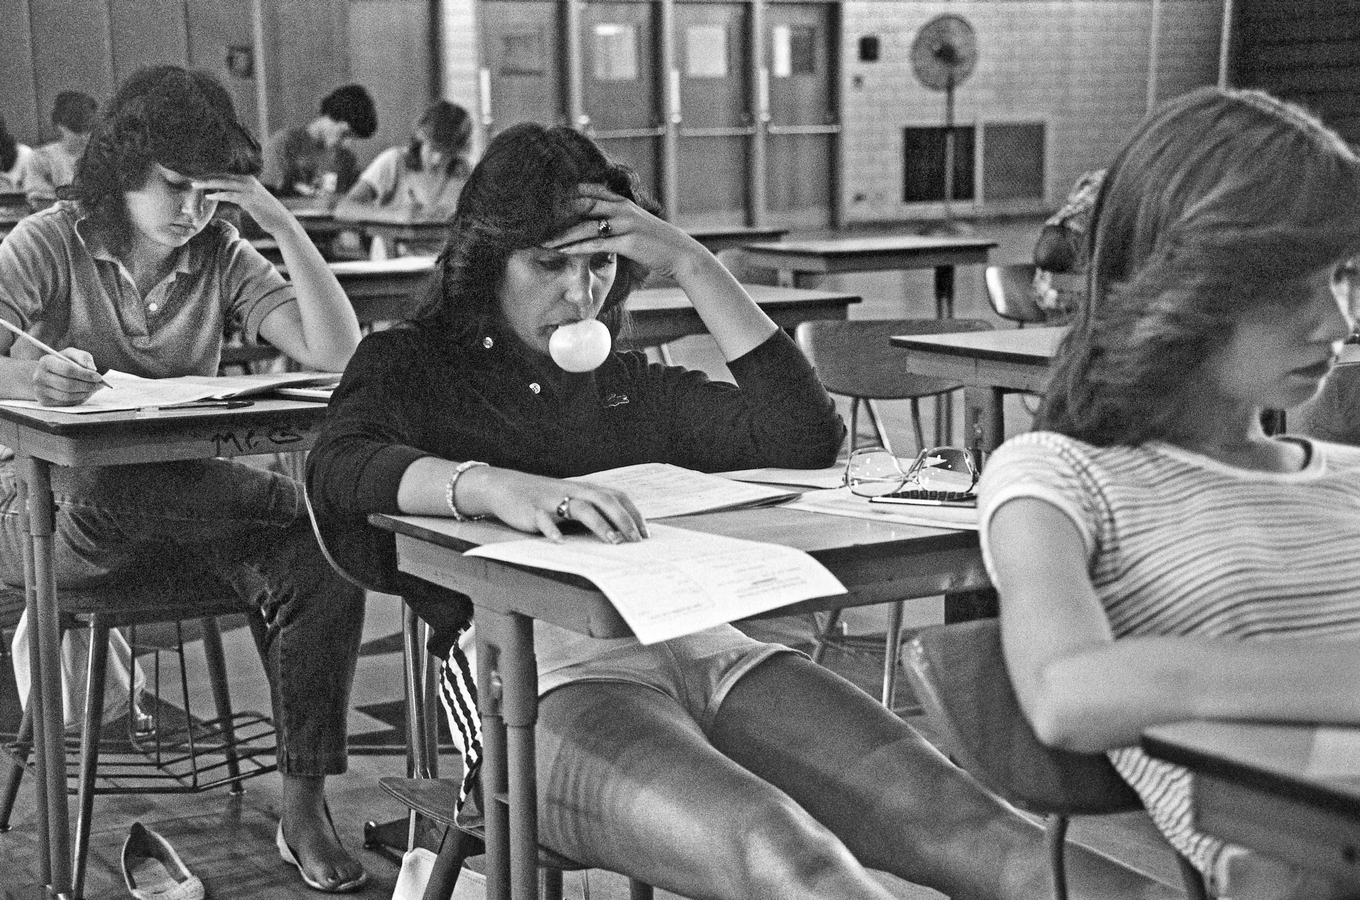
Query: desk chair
[[423, 792], [173, 762], [959, 675], [854, 359], [1010, 290]]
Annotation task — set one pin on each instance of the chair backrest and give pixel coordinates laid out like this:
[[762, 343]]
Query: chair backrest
[[1010, 290], [960, 677], [855, 358]]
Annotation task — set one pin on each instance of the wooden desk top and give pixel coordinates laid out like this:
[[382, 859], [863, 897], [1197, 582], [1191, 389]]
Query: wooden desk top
[[1291, 760], [670, 298], [1022, 345], [865, 245], [381, 268]]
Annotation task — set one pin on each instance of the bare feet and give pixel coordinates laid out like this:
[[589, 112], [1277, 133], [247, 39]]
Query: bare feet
[[308, 835]]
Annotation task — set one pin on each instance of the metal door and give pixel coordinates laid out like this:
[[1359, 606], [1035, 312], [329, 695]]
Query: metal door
[[521, 71], [799, 75], [712, 82], [620, 93]]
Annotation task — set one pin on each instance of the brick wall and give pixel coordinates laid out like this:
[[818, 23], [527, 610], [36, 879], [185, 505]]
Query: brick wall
[[1081, 66]]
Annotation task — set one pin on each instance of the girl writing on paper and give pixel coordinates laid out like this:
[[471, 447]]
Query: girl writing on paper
[[1159, 557], [135, 271], [712, 765]]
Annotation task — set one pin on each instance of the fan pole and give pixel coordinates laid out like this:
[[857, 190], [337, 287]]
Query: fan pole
[[949, 153]]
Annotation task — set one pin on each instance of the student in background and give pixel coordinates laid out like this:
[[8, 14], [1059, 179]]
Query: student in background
[[53, 165], [313, 160], [421, 181], [712, 765], [1060, 253], [137, 273], [13, 158], [1159, 556]]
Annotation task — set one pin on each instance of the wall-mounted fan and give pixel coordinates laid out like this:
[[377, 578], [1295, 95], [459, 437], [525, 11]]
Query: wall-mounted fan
[[943, 55]]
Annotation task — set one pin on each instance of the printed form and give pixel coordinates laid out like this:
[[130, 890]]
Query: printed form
[[678, 581]]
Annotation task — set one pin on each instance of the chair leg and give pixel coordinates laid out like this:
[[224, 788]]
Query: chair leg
[[639, 890], [1055, 840], [1192, 878], [854, 422], [549, 883], [823, 637], [916, 424], [892, 645], [23, 745], [89, 749], [215, 659], [877, 422], [456, 847]]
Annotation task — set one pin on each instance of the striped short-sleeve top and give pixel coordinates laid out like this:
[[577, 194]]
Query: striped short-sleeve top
[[1181, 544]]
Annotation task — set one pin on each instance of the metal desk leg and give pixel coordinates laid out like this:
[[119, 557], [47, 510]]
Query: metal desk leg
[[508, 673], [49, 729], [944, 309], [35, 693]]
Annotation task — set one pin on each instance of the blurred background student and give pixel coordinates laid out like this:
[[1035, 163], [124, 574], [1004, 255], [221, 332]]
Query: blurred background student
[[420, 181], [313, 160], [54, 165], [13, 157]]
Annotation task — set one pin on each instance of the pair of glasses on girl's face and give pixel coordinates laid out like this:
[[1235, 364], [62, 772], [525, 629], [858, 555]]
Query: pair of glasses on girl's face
[[875, 472]]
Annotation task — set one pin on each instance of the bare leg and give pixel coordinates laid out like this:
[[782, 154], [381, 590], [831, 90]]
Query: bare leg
[[628, 782], [308, 830], [894, 800]]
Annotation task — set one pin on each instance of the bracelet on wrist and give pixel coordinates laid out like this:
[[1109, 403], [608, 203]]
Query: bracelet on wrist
[[453, 481]]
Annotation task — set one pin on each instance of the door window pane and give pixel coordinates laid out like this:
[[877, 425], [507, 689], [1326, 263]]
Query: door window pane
[[706, 51], [794, 51], [522, 52], [615, 52]]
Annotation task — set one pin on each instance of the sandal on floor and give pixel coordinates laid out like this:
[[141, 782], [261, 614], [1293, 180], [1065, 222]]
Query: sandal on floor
[[287, 855], [152, 870]]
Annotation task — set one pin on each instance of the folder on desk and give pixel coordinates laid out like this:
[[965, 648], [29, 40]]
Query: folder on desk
[[134, 392]]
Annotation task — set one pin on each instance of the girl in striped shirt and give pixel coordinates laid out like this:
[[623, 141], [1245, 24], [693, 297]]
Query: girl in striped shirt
[[1159, 556]]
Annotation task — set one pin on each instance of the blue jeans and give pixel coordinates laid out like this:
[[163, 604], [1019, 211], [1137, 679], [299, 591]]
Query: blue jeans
[[250, 527]]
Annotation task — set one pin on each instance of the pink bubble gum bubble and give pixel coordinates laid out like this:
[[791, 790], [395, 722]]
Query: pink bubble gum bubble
[[580, 346]]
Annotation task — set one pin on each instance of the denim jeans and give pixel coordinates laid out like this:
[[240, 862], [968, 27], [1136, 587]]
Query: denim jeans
[[250, 527]]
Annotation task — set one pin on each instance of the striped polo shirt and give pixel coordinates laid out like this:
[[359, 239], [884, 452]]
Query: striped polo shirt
[[1181, 544]]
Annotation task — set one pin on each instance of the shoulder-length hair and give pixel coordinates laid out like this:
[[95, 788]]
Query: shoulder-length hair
[[9, 148], [181, 119], [520, 194], [449, 127], [1218, 197]]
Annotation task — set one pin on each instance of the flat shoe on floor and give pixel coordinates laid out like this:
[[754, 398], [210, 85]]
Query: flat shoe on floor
[[152, 870], [287, 855]]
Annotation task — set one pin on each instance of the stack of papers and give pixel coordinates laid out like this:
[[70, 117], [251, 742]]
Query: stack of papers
[[840, 502], [660, 490], [135, 392]]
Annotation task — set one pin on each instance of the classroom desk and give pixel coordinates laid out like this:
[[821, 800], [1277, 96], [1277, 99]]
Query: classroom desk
[[877, 562], [383, 290], [724, 237], [659, 315], [1291, 791], [44, 438], [989, 364], [798, 260]]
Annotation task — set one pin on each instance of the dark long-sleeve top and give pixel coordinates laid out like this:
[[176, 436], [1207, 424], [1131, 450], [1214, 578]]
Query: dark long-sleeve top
[[408, 393]]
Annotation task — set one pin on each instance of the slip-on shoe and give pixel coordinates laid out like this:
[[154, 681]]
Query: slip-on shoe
[[153, 870]]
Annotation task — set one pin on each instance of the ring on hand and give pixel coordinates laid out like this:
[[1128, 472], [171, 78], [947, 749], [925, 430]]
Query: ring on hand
[[564, 509], [604, 228]]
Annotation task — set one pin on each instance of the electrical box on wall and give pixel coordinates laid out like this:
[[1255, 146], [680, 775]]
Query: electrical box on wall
[[868, 48]]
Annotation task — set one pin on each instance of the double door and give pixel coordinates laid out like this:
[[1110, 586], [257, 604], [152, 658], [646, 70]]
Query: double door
[[726, 109]]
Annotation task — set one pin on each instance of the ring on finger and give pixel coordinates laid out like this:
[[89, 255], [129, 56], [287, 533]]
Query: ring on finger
[[604, 229], [564, 509]]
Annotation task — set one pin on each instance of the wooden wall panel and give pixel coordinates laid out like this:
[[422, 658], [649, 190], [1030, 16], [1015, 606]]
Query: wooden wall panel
[[147, 33], [18, 101], [214, 27], [71, 50], [389, 53]]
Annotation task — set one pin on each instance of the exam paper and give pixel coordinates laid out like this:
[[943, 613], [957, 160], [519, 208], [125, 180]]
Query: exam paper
[[832, 477], [1335, 753], [678, 581], [135, 392], [841, 502], [660, 490]]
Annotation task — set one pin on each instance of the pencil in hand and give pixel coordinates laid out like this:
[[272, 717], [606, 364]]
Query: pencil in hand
[[20, 333]]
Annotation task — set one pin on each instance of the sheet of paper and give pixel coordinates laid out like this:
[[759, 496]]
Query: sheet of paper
[[678, 581], [1336, 753], [135, 392], [822, 479], [840, 502], [660, 490]]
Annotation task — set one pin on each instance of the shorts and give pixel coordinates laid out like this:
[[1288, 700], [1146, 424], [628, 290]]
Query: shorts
[[697, 670]]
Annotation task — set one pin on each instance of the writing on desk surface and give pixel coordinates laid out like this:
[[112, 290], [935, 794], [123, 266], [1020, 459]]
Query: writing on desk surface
[[253, 440]]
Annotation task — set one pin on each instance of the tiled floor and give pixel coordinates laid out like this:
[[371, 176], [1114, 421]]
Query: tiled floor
[[228, 840]]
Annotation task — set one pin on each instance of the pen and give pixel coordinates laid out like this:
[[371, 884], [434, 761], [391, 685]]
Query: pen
[[19, 332], [212, 404]]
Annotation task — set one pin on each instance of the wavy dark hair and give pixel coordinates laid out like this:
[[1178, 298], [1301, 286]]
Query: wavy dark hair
[[9, 148], [448, 127], [181, 119], [520, 194], [1218, 198]]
